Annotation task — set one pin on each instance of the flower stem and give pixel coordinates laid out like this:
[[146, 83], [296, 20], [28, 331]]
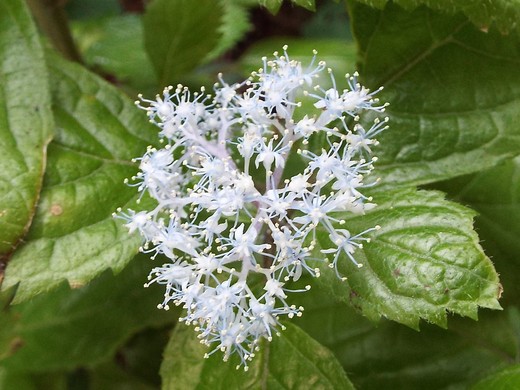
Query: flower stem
[[53, 21]]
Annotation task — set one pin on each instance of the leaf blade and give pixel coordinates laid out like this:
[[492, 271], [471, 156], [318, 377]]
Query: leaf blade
[[26, 128], [192, 32], [425, 260], [292, 360], [503, 14], [115, 44], [494, 194], [68, 328], [235, 25], [74, 236], [389, 355], [453, 93]]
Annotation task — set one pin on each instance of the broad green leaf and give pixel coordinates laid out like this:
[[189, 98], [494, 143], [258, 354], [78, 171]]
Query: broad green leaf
[[67, 328], [235, 24], [503, 14], [74, 236], [495, 195], [178, 35], [454, 92], [25, 123], [424, 261], [115, 45], [292, 361], [391, 356], [506, 379]]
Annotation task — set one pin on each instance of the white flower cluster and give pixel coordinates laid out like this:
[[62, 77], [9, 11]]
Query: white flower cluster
[[228, 218]]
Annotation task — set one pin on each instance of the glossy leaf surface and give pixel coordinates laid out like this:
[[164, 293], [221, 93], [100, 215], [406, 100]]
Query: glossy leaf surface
[[425, 260], [25, 123], [74, 236], [454, 92]]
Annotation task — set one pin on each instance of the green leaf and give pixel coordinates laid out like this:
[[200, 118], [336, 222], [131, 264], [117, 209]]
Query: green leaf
[[235, 24], [178, 35], [391, 356], [504, 14], [74, 236], [25, 123], [506, 379], [424, 261], [495, 195], [454, 92], [291, 361], [64, 329], [115, 45]]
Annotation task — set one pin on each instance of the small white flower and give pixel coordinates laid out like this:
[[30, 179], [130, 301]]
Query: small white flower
[[274, 288], [268, 155], [243, 243], [306, 127]]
